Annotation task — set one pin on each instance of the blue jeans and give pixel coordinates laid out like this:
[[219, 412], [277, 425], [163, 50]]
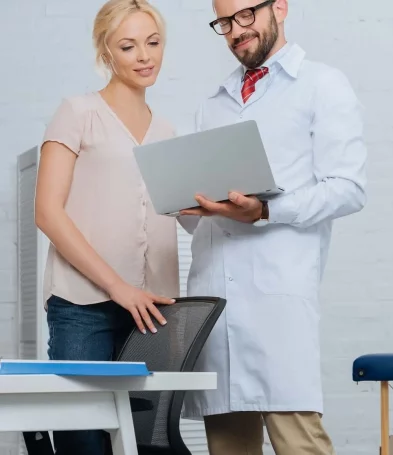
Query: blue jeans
[[88, 332]]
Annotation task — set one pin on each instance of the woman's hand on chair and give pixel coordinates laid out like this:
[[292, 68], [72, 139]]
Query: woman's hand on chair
[[140, 304]]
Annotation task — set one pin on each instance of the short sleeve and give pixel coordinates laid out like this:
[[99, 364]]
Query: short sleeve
[[66, 127]]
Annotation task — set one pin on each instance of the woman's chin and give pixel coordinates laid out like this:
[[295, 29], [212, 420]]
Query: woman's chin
[[144, 82]]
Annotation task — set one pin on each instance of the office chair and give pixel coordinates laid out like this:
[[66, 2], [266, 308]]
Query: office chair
[[175, 347]]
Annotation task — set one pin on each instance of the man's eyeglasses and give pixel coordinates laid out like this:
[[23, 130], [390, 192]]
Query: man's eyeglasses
[[244, 18]]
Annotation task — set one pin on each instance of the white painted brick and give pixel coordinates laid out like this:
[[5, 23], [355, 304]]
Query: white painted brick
[[71, 8], [7, 285], [7, 256], [48, 55], [8, 330]]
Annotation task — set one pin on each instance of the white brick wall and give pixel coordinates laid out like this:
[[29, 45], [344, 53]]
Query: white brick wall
[[45, 49]]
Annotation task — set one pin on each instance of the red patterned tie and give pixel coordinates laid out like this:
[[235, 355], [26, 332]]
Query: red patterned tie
[[250, 79]]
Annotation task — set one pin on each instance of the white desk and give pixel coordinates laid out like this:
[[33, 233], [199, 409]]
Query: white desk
[[49, 402]]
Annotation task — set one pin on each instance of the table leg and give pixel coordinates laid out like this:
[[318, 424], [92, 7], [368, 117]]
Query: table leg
[[384, 418], [123, 439]]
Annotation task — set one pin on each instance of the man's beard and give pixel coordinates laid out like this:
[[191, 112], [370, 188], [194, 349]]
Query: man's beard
[[266, 42]]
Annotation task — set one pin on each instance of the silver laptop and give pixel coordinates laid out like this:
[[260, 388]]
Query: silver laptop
[[211, 163]]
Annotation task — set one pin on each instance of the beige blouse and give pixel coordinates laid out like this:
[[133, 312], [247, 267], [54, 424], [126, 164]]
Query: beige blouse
[[109, 204]]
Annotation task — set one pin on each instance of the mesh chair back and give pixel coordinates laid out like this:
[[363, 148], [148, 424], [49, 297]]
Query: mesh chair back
[[175, 347]]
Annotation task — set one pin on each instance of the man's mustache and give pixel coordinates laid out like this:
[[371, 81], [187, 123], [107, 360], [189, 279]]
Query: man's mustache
[[244, 37]]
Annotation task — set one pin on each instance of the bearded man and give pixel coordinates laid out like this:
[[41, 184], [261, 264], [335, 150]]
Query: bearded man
[[267, 257]]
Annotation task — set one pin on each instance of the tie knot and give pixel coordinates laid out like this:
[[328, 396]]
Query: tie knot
[[256, 74]]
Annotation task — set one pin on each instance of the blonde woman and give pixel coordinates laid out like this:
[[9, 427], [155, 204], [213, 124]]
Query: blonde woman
[[111, 257]]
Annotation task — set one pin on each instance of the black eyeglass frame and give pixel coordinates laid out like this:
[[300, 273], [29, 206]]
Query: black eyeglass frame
[[232, 18]]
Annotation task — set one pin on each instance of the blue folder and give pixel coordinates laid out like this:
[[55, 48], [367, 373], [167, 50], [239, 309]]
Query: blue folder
[[70, 368]]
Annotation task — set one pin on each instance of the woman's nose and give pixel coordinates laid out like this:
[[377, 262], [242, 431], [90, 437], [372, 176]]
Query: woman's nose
[[143, 55]]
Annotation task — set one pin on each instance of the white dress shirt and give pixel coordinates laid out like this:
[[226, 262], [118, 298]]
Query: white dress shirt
[[265, 347]]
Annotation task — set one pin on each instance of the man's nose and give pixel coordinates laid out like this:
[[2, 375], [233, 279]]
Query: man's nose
[[237, 30]]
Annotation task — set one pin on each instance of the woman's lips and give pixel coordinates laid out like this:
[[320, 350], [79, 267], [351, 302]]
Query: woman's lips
[[145, 72]]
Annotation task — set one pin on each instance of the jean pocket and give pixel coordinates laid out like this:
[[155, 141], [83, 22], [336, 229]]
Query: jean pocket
[[58, 309], [58, 301]]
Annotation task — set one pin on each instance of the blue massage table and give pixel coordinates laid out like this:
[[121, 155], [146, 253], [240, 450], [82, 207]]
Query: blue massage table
[[379, 368]]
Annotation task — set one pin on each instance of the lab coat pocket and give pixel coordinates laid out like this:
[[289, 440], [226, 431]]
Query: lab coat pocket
[[286, 261]]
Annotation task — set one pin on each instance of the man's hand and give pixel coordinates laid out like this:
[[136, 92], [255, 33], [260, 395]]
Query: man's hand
[[246, 209]]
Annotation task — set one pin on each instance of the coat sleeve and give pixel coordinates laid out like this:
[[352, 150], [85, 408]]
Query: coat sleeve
[[339, 157]]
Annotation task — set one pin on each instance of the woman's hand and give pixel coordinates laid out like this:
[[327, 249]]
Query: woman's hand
[[139, 303]]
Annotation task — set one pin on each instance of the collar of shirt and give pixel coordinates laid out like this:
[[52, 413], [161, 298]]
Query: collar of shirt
[[289, 58], [274, 61]]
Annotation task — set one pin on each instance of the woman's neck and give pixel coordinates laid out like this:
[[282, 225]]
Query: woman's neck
[[122, 96]]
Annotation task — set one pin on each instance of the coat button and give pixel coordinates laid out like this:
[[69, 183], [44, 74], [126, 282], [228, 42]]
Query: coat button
[[230, 278]]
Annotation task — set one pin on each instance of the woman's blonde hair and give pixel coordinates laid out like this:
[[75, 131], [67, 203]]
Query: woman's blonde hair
[[110, 16]]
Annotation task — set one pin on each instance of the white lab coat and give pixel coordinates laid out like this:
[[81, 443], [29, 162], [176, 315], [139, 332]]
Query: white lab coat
[[265, 347]]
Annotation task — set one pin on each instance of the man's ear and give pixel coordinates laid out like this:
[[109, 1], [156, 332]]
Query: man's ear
[[280, 8]]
